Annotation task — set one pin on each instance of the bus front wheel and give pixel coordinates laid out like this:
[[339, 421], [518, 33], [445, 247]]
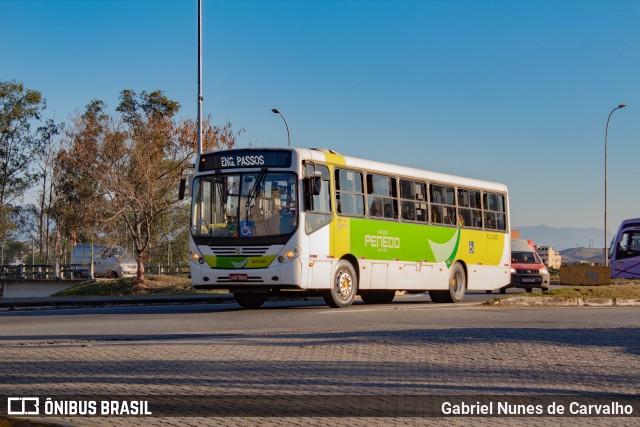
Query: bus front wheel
[[344, 286], [250, 299], [457, 286]]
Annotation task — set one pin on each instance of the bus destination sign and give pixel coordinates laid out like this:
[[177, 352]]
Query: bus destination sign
[[246, 159]]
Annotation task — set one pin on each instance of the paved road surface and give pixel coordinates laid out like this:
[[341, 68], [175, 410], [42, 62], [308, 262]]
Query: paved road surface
[[408, 347]]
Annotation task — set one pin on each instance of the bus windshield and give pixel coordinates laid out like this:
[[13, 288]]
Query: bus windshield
[[628, 245], [244, 205]]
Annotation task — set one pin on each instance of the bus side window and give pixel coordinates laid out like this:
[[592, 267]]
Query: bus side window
[[436, 214], [443, 204], [413, 196], [316, 188], [349, 192], [629, 245], [390, 210], [494, 212], [408, 211]]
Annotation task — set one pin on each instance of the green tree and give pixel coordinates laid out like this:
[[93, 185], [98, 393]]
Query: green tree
[[13, 251], [20, 108]]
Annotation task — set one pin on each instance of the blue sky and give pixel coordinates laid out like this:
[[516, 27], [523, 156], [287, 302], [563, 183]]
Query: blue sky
[[510, 91]]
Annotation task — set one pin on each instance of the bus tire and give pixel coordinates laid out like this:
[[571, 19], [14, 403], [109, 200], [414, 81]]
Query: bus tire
[[377, 297], [250, 299], [344, 286], [457, 287]]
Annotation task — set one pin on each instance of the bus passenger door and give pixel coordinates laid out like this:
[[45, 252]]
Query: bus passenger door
[[320, 263]]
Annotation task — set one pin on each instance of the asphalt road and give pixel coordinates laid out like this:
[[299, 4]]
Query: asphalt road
[[409, 347]]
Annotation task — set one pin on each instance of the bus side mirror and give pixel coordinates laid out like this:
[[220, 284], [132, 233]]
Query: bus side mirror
[[181, 188], [186, 173]]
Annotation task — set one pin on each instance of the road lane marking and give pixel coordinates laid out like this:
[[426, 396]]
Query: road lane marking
[[356, 308]]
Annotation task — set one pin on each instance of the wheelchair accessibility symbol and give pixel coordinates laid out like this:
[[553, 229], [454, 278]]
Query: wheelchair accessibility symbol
[[246, 228]]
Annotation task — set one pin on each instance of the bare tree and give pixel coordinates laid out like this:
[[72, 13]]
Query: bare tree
[[48, 134], [77, 199], [133, 163]]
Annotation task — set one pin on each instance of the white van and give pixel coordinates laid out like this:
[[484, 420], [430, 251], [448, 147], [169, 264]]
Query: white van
[[109, 261]]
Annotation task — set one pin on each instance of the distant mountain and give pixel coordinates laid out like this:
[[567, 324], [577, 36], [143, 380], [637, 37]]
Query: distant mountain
[[589, 255], [563, 237]]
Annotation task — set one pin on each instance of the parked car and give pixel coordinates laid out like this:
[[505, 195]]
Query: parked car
[[109, 261]]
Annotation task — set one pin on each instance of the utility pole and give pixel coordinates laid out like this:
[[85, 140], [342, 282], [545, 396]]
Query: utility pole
[[200, 98]]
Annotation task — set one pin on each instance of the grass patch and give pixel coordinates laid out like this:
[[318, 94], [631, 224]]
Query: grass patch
[[623, 291], [124, 286]]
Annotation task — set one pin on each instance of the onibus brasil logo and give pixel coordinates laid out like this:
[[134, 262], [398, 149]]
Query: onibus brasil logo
[[33, 406]]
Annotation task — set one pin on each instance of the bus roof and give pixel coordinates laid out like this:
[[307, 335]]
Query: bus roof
[[370, 165], [628, 223], [330, 156]]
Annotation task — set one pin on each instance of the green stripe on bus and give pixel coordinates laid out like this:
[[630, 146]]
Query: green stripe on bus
[[386, 240], [230, 262], [389, 241]]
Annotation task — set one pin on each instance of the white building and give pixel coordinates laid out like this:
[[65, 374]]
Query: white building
[[550, 257]]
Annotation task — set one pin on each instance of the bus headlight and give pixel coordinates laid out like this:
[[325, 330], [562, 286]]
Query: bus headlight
[[196, 257], [513, 270], [543, 270]]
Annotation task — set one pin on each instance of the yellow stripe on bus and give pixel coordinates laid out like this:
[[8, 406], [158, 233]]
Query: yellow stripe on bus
[[335, 158], [339, 234]]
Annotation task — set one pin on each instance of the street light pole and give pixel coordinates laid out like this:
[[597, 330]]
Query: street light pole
[[275, 110], [606, 136], [200, 98]]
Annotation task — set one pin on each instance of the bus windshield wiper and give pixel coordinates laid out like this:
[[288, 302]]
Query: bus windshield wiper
[[255, 190]]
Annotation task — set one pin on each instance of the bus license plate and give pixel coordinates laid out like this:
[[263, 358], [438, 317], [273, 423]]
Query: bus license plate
[[528, 280], [238, 277]]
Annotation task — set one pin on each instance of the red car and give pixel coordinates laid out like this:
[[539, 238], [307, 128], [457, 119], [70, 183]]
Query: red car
[[527, 269], [528, 272]]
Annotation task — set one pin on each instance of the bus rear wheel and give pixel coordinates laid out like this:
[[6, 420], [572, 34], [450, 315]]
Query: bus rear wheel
[[250, 299], [457, 286], [377, 297], [344, 286]]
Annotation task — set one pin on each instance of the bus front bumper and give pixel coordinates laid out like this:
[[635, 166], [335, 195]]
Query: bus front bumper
[[284, 276]]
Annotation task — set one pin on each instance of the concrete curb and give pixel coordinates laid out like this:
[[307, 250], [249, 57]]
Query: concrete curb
[[89, 302], [563, 302], [26, 304]]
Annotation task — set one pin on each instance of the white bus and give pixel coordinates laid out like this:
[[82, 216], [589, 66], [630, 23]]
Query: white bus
[[267, 221]]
